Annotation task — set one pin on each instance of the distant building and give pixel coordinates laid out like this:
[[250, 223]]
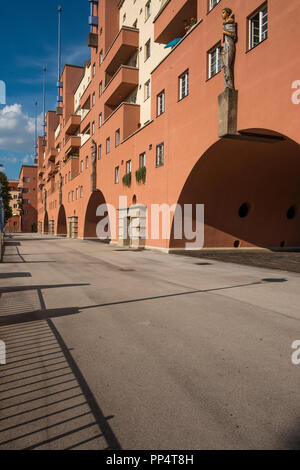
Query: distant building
[[14, 223], [28, 188]]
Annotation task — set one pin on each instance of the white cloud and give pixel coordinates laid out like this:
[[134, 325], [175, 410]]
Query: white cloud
[[9, 159], [17, 129]]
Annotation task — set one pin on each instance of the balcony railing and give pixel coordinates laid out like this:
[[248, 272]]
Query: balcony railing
[[72, 145], [123, 83]]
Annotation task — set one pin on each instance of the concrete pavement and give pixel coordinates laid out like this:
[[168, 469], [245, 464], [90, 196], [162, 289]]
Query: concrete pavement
[[110, 348]]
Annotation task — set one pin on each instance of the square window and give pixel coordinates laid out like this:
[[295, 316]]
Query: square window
[[214, 60], [160, 154], [184, 85], [160, 103], [258, 26]]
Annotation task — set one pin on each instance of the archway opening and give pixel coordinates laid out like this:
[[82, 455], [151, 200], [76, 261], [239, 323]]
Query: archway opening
[[92, 219], [62, 222], [247, 188]]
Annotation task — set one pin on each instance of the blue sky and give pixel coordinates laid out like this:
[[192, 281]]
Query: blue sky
[[28, 41]]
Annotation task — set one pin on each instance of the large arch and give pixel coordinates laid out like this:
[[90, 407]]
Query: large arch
[[250, 187], [61, 222], [91, 219], [46, 223]]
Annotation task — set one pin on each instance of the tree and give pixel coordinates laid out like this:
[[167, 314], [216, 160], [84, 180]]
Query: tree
[[6, 196]]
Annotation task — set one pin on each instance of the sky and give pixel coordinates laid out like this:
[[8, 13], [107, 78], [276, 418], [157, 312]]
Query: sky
[[28, 41]]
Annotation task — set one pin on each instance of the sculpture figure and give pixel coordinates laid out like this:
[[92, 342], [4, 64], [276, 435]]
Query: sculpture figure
[[228, 47]]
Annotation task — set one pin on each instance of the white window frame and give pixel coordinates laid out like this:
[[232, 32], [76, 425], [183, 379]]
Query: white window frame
[[161, 103], [148, 49], [100, 152], [262, 14], [213, 4], [160, 155], [128, 166], [117, 137], [100, 120], [218, 61], [107, 145], [142, 159], [184, 85], [93, 128]]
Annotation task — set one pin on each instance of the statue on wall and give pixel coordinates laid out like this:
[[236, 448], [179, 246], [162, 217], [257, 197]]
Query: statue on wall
[[228, 47], [94, 167], [60, 184]]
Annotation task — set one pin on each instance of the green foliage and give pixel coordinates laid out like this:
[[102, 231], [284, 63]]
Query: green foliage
[[140, 174], [5, 196], [127, 180]]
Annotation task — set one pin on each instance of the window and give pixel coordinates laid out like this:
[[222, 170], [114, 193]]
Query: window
[[101, 57], [26, 180], [142, 159], [66, 179], [93, 128], [214, 61], [117, 137], [81, 166], [147, 10], [99, 152], [25, 190], [86, 162], [258, 27], [147, 90], [100, 88], [135, 24], [108, 145], [147, 49], [184, 85], [76, 194], [72, 195], [213, 3], [69, 176], [160, 154], [117, 175], [128, 166], [100, 119], [93, 99], [81, 191], [26, 201], [94, 70], [161, 103], [124, 17]]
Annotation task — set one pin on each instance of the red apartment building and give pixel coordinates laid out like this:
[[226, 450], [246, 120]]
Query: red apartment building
[[152, 116]]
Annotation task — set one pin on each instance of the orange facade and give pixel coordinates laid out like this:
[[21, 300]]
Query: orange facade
[[249, 185], [29, 190]]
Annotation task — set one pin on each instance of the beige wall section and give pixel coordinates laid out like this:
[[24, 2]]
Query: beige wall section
[[130, 12]]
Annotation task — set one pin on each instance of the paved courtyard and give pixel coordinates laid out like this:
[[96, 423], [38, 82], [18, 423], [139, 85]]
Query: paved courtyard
[[118, 349]]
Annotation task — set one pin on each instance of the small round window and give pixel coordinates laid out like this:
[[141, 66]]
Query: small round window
[[291, 213], [244, 210]]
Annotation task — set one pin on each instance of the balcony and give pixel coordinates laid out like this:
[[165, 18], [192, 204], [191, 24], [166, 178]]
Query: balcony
[[52, 154], [124, 46], [171, 20], [127, 117], [72, 145], [120, 86], [73, 124]]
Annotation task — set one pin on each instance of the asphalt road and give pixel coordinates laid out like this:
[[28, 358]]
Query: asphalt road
[[114, 349]]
